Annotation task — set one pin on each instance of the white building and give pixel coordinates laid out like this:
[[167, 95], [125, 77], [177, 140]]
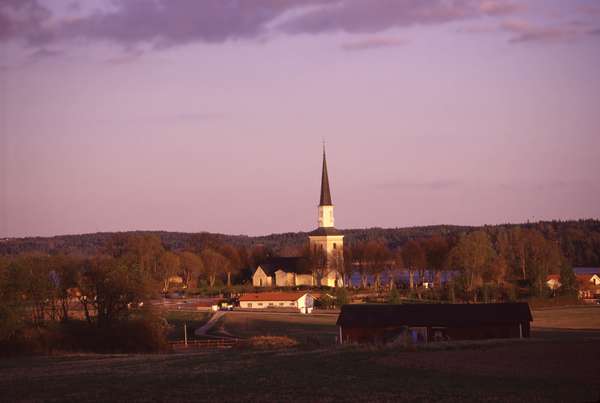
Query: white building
[[302, 301], [326, 245], [326, 239], [283, 272]]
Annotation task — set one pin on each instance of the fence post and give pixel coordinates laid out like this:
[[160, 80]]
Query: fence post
[[185, 334]]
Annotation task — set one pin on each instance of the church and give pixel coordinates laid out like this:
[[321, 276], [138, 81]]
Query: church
[[326, 249]]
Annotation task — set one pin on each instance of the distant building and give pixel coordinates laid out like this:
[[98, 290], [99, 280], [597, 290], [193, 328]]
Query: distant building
[[422, 323], [326, 239], [553, 282], [326, 245], [283, 272], [588, 284], [302, 301]]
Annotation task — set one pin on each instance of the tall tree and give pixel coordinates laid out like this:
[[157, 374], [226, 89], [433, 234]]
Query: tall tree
[[214, 264], [191, 267], [414, 259], [473, 256], [169, 265], [436, 253], [234, 265]]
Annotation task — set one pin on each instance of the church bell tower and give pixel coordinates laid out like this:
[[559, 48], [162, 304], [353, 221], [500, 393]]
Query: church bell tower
[[326, 238]]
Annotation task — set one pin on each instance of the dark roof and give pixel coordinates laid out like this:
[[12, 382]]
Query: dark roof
[[381, 315], [298, 265], [322, 231], [325, 192]]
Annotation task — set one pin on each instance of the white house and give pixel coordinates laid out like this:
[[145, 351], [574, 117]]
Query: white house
[[302, 301], [553, 281]]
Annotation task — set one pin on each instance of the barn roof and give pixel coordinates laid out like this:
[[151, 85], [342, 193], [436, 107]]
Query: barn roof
[[380, 315], [273, 296], [297, 265]]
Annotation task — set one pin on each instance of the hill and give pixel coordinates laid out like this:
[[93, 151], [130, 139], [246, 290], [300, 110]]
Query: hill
[[579, 239]]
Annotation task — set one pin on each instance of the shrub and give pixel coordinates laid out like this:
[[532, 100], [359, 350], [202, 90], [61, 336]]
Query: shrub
[[271, 342]]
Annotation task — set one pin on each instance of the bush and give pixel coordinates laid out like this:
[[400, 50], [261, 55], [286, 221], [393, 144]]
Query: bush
[[271, 342], [394, 297]]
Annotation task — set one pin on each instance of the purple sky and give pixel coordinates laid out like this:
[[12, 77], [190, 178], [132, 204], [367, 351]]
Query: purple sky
[[186, 115]]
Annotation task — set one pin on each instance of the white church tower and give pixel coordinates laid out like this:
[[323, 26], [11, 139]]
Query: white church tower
[[326, 238]]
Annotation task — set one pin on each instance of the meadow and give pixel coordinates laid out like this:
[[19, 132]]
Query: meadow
[[551, 366]]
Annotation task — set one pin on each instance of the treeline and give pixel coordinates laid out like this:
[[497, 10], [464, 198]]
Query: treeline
[[579, 241], [497, 265], [99, 302]]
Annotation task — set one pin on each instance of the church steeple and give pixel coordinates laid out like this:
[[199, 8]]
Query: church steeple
[[325, 192], [325, 205]]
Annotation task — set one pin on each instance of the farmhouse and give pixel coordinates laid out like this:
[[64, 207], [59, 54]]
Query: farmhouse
[[422, 323], [553, 282], [302, 301], [589, 285]]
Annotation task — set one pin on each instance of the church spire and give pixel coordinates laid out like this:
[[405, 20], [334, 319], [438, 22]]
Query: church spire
[[325, 192]]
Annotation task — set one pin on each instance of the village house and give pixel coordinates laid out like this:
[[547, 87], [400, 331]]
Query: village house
[[298, 300], [423, 323], [326, 241], [588, 284]]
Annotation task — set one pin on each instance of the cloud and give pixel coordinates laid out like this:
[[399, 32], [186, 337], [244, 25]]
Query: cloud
[[22, 19], [43, 53], [523, 31], [164, 23], [441, 184], [497, 7], [128, 57], [373, 43], [356, 16]]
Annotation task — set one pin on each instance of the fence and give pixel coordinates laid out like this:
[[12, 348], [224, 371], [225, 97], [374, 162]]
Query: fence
[[205, 344]]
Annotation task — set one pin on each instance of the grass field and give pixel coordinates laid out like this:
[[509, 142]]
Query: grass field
[[176, 320], [576, 317], [562, 367], [311, 329]]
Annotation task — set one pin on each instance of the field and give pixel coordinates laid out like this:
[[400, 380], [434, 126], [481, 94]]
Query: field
[[560, 366], [308, 329]]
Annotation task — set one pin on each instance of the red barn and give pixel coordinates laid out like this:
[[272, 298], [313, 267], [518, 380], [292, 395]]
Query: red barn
[[380, 323]]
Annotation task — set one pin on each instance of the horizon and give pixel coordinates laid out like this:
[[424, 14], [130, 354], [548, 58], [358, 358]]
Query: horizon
[[300, 231], [118, 115]]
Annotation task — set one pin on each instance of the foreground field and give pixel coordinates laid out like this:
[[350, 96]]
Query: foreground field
[[542, 370], [557, 364]]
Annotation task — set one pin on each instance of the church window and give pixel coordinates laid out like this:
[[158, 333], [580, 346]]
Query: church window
[[334, 245]]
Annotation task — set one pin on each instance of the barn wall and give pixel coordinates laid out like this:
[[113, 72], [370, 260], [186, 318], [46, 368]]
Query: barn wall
[[475, 332]]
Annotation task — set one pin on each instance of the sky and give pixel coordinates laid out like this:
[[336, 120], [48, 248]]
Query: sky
[[185, 115]]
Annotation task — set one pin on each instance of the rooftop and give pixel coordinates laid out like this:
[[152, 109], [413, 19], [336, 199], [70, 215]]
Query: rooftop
[[382, 315]]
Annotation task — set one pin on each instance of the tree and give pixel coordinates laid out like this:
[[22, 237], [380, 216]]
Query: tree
[[191, 267], [394, 297], [110, 287], [214, 264], [473, 255], [436, 253], [234, 265], [414, 259], [169, 265], [341, 297]]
